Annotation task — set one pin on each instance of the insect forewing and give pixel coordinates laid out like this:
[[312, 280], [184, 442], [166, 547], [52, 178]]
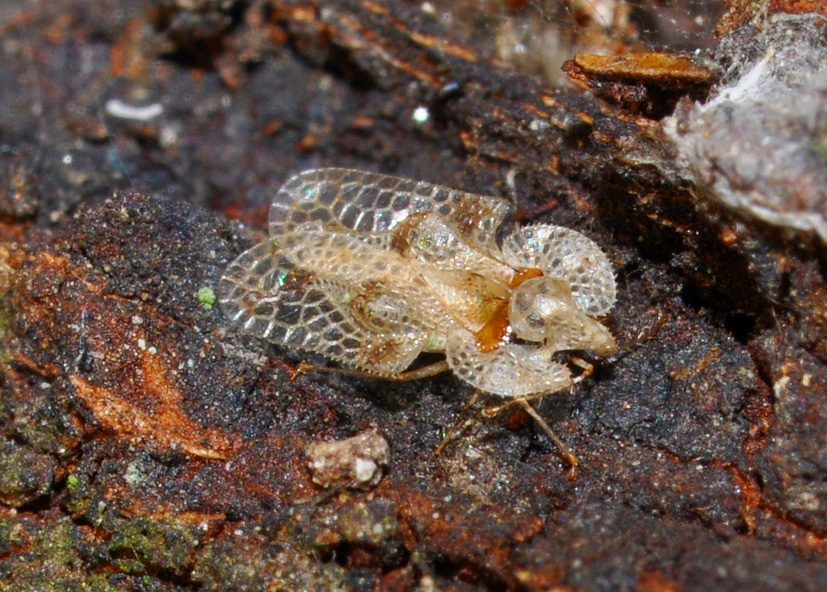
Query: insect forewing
[[511, 370], [344, 200], [268, 296], [566, 254]]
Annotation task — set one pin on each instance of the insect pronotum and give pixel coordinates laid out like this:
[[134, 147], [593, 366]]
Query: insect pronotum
[[371, 270]]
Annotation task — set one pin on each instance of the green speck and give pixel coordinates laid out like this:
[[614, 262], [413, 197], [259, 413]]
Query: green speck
[[206, 296], [72, 482]]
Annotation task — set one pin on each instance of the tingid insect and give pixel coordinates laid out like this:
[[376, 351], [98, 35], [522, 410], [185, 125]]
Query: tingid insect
[[371, 270]]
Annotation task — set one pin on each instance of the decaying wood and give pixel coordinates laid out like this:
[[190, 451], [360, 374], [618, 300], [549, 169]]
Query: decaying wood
[[146, 444]]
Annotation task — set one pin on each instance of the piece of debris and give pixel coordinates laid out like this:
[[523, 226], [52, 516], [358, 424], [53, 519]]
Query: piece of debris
[[356, 463], [757, 146]]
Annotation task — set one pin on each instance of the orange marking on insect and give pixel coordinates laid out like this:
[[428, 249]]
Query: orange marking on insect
[[495, 331], [523, 274]]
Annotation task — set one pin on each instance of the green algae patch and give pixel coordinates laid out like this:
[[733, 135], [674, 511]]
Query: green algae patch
[[50, 553], [142, 545], [24, 474], [237, 561], [51, 563]]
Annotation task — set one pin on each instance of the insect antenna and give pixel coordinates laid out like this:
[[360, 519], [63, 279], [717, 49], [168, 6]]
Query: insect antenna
[[643, 336]]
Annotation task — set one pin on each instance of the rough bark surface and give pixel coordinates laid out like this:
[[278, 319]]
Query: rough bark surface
[[144, 445]]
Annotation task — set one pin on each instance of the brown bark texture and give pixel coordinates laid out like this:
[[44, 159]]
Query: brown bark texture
[[146, 444]]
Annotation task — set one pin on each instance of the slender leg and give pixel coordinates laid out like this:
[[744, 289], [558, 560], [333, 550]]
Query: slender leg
[[587, 368], [458, 425], [495, 410], [424, 372], [567, 454], [564, 450]]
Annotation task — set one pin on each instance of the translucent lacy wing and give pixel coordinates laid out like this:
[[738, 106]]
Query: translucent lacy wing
[[343, 200], [344, 258], [387, 291], [437, 244], [564, 253], [264, 293], [511, 370]]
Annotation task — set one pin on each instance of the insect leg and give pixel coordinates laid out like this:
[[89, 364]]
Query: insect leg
[[423, 372], [587, 368], [460, 424], [565, 452]]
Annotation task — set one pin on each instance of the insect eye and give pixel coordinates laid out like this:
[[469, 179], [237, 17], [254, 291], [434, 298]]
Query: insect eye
[[535, 320]]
